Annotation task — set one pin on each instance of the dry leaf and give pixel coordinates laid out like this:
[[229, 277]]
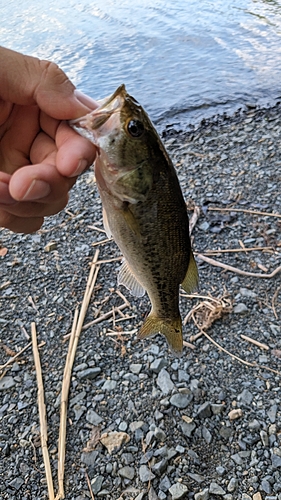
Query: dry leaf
[[3, 251], [114, 440], [94, 439]]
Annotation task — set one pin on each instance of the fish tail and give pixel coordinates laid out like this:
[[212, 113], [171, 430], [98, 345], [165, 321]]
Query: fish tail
[[172, 329]]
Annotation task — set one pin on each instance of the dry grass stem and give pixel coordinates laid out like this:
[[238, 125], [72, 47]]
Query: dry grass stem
[[274, 299], [73, 343], [42, 413], [188, 344], [235, 250], [237, 270], [255, 342], [253, 212], [11, 360], [96, 228], [101, 242], [194, 218], [104, 316], [89, 486], [209, 310]]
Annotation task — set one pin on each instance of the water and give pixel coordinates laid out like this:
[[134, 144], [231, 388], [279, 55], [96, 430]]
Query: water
[[182, 59]]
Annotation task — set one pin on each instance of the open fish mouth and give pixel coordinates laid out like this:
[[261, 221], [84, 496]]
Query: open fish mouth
[[97, 118]]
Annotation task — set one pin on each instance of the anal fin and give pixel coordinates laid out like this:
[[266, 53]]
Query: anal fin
[[128, 279]]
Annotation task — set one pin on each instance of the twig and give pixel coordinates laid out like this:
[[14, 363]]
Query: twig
[[235, 250], [246, 211], [103, 317], [89, 486], [11, 360], [194, 218], [255, 342], [73, 343], [101, 242], [236, 270], [274, 298], [42, 413]]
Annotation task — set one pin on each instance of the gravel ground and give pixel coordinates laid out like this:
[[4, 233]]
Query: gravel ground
[[179, 440]]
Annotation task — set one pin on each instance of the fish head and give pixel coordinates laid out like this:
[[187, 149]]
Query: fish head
[[126, 141]]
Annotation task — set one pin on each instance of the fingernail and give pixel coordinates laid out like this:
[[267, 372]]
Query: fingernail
[[5, 197], [37, 189], [82, 165]]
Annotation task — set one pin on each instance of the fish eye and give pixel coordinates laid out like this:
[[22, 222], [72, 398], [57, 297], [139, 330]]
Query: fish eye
[[135, 128]]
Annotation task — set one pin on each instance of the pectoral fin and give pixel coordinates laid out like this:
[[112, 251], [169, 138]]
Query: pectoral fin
[[105, 223], [191, 279], [128, 279], [130, 219]]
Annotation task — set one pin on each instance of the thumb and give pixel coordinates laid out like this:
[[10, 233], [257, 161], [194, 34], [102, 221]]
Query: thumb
[[26, 80]]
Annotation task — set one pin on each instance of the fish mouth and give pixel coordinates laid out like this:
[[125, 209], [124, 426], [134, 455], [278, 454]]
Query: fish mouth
[[107, 107]]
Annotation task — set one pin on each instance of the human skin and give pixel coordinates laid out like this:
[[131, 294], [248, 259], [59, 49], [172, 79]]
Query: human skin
[[40, 155]]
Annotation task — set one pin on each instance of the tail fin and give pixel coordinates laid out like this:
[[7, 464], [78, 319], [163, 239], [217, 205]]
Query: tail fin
[[172, 329]]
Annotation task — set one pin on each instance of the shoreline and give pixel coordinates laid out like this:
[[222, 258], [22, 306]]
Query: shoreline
[[175, 411]]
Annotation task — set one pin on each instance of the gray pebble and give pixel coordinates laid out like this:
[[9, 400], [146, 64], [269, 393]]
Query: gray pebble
[[159, 434], [16, 483], [178, 490], [96, 484], [93, 418], [240, 308], [206, 435], [145, 474], [202, 495], [164, 381], [217, 408], [264, 438], [6, 383], [272, 413], [165, 484], [181, 400], [157, 365], [204, 411], [232, 485], [275, 461], [245, 397], [109, 385], [135, 368], [127, 472], [89, 373], [89, 458], [187, 428], [216, 489]]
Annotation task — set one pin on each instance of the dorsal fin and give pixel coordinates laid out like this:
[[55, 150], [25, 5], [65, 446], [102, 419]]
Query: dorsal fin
[[191, 279]]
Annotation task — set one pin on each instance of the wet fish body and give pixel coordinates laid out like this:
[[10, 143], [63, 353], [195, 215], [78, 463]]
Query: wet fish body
[[144, 210]]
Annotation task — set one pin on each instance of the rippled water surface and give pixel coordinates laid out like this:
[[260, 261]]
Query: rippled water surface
[[182, 59]]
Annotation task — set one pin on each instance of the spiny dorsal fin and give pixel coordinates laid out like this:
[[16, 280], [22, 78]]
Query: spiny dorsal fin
[[128, 279], [191, 279]]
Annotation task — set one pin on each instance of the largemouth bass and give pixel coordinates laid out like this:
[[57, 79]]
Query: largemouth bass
[[143, 209]]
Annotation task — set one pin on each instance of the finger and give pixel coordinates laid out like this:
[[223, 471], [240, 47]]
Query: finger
[[75, 153], [20, 129], [32, 209], [5, 196], [40, 182], [20, 224], [49, 86]]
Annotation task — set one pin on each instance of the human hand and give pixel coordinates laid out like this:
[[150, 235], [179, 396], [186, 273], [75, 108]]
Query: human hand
[[40, 155]]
